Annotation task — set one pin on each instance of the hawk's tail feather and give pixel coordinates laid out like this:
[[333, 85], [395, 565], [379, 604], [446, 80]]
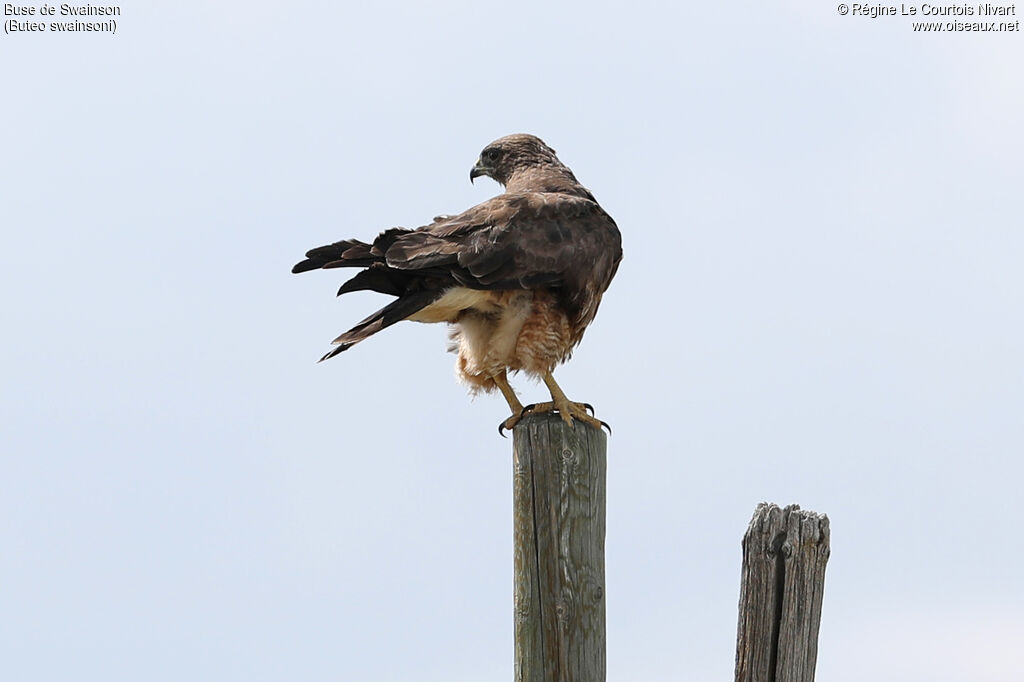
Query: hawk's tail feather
[[335, 351], [396, 311], [377, 278], [343, 254]]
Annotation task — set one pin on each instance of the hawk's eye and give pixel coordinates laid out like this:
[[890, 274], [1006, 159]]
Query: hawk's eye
[[492, 154]]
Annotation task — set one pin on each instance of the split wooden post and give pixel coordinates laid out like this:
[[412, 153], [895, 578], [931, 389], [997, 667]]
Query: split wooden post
[[784, 557], [559, 476]]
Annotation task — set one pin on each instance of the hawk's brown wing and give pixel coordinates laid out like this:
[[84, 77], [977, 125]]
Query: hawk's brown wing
[[517, 241], [528, 240]]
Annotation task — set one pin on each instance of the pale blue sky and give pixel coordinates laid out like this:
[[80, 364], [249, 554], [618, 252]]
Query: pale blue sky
[[820, 303]]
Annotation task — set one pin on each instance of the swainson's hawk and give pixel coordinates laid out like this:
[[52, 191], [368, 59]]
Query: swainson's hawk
[[518, 277]]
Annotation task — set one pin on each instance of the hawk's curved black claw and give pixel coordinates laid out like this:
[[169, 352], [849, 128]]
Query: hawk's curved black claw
[[605, 425], [501, 430], [526, 410], [590, 409]]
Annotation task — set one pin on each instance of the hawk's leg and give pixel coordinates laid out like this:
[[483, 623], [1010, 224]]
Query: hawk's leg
[[501, 381], [566, 408]]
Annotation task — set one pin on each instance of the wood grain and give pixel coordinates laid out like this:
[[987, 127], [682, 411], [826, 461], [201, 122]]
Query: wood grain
[[559, 487], [784, 557]]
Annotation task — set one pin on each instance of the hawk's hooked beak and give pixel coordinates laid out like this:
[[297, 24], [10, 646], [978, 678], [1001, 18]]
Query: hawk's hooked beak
[[478, 170]]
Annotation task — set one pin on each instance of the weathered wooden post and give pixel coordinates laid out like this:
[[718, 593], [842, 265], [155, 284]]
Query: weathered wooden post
[[784, 557], [559, 508]]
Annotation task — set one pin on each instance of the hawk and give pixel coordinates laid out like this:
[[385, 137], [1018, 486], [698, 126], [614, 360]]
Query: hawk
[[518, 278]]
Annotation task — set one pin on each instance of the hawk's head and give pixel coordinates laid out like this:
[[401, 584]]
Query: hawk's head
[[505, 156]]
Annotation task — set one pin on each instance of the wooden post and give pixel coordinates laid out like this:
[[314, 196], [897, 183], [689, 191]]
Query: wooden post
[[784, 557], [559, 518]]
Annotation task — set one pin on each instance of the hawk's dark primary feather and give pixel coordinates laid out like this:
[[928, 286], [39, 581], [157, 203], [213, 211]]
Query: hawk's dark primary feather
[[520, 276]]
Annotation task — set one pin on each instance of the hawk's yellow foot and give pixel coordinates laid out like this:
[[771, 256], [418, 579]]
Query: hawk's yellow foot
[[501, 381], [510, 423], [566, 407], [568, 410]]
